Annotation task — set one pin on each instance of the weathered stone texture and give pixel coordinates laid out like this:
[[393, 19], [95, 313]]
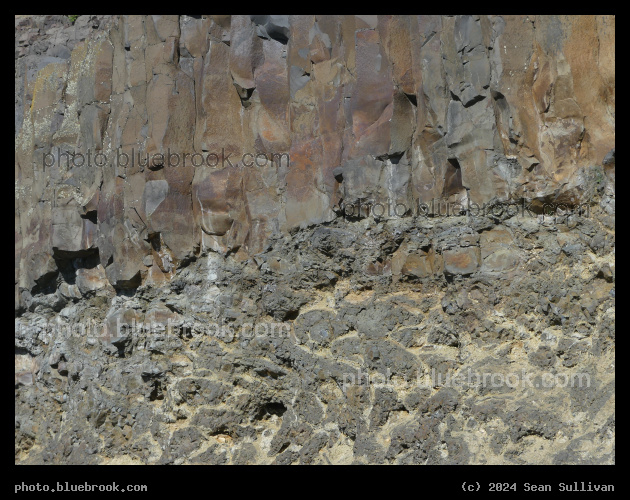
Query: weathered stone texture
[[342, 110]]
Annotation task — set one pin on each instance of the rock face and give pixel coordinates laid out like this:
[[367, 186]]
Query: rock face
[[305, 239]]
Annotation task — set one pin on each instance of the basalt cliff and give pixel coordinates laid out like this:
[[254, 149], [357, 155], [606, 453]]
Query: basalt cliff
[[314, 239]]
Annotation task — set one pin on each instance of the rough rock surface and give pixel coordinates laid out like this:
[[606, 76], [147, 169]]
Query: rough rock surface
[[351, 316]]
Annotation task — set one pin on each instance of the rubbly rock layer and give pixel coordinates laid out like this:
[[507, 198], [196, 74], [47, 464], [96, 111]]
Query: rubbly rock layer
[[296, 120]]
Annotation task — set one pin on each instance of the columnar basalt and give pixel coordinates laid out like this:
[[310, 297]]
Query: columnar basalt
[[300, 239]]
